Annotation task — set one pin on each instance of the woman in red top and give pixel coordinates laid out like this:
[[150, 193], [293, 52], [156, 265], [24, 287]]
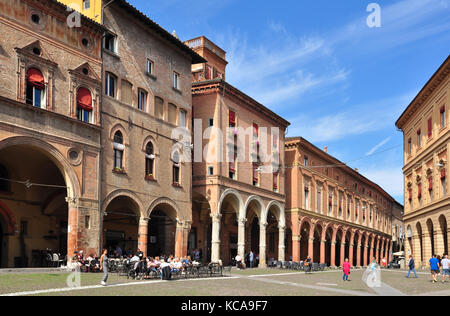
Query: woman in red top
[[346, 268]]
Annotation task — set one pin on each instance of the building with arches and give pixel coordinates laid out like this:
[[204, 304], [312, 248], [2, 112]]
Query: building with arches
[[49, 133], [146, 180], [238, 185], [332, 211], [426, 132]]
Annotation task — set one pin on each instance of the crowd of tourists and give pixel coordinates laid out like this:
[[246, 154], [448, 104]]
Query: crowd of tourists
[[436, 264]]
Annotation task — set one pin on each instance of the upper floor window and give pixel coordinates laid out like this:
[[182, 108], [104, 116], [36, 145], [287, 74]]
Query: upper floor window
[[232, 119], [319, 200], [172, 117], [110, 43], [35, 90], [275, 181], [255, 174], [430, 127], [149, 161], [182, 118], [118, 151], [419, 138], [410, 146], [176, 169], [110, 85], [142, 99], [307, 203], [444, 182], [305, 161], [150, 67], [443, 118], [126, 92], [176, 81], [159, 108], [84, 105], [86, 4]]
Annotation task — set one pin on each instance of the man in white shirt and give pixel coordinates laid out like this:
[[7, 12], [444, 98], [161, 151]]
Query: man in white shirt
[[238, 261], [445, 263]]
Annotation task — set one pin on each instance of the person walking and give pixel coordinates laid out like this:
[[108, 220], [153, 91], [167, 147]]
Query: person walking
[[104, 266], [346, 269], [445, 268], [251, 258], [435, 270], [308, 265], [412, 267]]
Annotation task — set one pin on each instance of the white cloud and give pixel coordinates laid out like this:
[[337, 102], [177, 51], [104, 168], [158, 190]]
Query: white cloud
[[378, 146]]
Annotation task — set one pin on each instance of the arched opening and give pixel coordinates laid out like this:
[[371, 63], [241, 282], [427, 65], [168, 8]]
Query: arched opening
[[35, 88], [317, 243], [121, 225], [304, 240], [272, 236], [329, 239], [362, 250], [34, 205], [229, 235], [420, 237], [162, 230], [355, 250], [348, 242], [430, 227], [252, 242], [339, 240], [119, 149], [444, 230], [200, 236]]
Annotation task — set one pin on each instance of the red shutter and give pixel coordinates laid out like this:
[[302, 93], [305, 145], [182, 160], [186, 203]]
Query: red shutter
[[255, 129], [430, 184], [84, 99], [275, 181], [443, 174], [419, 195], [232, 167], [410, 195], [430, 128], [330, 201], [443, 109], [36, 78], [232, 118], [255, 172]]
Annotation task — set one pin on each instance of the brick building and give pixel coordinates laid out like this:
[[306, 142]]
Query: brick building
[[332, 211], [146, 186], [50, 90], [426, 135], [238, 205]]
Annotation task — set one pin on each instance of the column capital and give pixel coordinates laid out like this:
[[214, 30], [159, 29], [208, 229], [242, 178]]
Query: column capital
[[216, 217], [282, 227], [72, 201], [144, 221], [242, 221], [311, 239], [323, 241], [263, 225]]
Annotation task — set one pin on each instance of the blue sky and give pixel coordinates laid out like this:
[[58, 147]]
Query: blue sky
[[316, 63]]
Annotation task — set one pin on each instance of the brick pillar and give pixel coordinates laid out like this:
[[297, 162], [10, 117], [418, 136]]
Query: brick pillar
[[358, 254], [372, 245], [143, 235], [322, 251], [378, 251], [295, 248], [179, 239], [333, 254], [241, 237], [342, 254], [366, 258], [350, 253], [72, 229], [281, 243]]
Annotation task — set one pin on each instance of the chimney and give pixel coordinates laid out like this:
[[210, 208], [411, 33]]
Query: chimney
[[357, 170], [326, 149]]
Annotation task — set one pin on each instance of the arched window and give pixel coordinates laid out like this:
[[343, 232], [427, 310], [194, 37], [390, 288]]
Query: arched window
[[118, 151], [84, 105], [149, 161], [4, 177], [176, 169], [35, 89]]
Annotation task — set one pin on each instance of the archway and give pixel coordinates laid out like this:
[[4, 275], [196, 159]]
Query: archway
[[430, 228], [355, 249], [329, 239], [420, 237], [304, 240], [348, 242], [229, 207], [444, 230], [35, 200], [362, 250], [200, 236], [339, 240], [254, 241], [317, 243], [162, 229], [121, 226], [272, 236]]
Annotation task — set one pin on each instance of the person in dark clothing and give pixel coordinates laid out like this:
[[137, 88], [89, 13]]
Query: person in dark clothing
[[411, 267]]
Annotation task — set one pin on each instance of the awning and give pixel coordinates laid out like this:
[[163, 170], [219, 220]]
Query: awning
[[84, 99], [35, 77]]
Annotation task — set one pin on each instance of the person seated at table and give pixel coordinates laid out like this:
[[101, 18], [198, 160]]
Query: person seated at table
[[177, 266], [239, 262], [165, 269], [135, 259]]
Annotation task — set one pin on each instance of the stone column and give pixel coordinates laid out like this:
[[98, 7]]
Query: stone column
[[322, 251], [241, 237], [143, 235], [281, 243], [426, 248], [342, 253], [215, 242], [383, 255], [295, 248], [72, 229], [262, 245], [186, 230], [439, 244], [372, 246], [358, 254], [417, 251], [333, 253], [311, 246], [377, 251], [366, 251]]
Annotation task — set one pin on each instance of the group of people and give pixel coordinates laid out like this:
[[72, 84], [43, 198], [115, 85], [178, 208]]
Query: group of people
[[436, 263], [250, 260]]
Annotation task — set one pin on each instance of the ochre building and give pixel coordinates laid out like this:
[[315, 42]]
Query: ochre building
[[332, 211], [426, 135]]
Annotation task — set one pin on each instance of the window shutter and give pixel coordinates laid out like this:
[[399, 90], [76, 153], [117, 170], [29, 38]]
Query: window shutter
[[232, 118], [255, 172], [84, 99], [419, 195], [443, 174], [430, 184], [430, 128], [275, 181], [36, 78]]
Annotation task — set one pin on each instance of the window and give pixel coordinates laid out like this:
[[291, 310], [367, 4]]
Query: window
[[110, 43], [410, 146], [182, 118], [176, 169], [4, 177], [275, 181], [305, 161], [176, 79], [430, 128], [172, 114], [150, 67], [149, 161], [210, 171], [86, 4], [211, 122], [330, 204], [209, 72], [232, 119], [319, 200], [255, 174], [159, 108], [142, 99], [84, 105], [35, 90], [444, 182], [126, 92], [419, 138], [110, 85], [443, 118], [118, 151], [87, 222], [23, 228], [307, 198]]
